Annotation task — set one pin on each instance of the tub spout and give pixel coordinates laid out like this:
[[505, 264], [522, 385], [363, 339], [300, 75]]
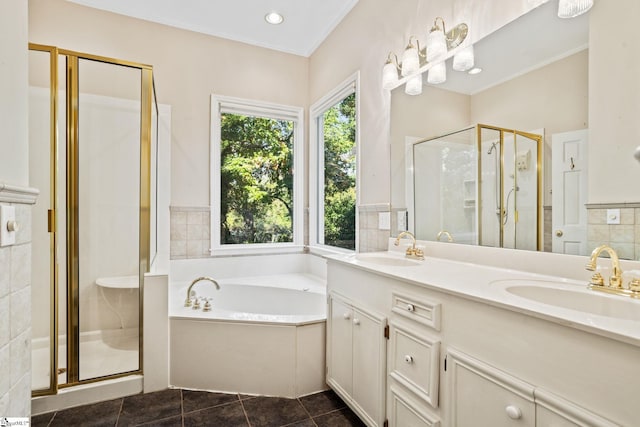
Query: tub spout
[[187, 301]]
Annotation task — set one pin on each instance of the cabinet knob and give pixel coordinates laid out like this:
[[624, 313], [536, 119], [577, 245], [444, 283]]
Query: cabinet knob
[[346, 316], [411, 307], [408, 359], [356, 321], [13, 226], [513, 412]]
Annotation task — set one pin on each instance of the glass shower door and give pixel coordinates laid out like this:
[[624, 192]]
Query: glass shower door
[[107, 207]]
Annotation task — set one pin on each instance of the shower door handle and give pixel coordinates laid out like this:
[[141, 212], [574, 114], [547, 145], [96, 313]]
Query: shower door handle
[[559, 233]]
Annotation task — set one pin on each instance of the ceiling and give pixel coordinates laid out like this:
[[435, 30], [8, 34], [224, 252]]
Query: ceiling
[[306, 22], [530, 42]]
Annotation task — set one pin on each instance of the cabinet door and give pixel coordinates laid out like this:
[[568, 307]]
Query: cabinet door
[[369, 364], [339, 357], [484, 396]]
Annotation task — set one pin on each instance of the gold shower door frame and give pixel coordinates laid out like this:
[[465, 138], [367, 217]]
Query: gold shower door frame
[[539, 208], [72, 208]]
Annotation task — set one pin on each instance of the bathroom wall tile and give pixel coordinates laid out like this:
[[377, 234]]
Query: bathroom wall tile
[[5, 270], [598, 233], [194, 248], [20, 311], [178, 232], [637, 210], [622, 233], [206, 231], [637, 257], [178, 248], [627, 216], [5, 328], [20, 401], [23, 218], [5, 371], [194, 217], [4, 403], [624, 250], [194, 232], [363, 220], [597, 216], [20, 266], [206, 244], [383, 240], [20, 356], [178, 218]]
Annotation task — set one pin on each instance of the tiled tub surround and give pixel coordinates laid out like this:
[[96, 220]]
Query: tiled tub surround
[[191, 230], [623, 237], [15, 306]]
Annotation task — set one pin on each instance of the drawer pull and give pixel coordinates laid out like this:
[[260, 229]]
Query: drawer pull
[[346, 316], [513, 412], [408, 359], [411, 307], [356, 321]]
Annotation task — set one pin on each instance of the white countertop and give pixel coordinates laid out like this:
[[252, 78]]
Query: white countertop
[[474, 281]]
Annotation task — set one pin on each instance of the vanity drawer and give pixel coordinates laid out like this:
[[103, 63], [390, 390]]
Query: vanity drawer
[[414, 362], [404, 411], [421, 310]]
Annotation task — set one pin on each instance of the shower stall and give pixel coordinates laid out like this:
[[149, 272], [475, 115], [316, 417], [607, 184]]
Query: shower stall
[[93, 151], [480, 185]]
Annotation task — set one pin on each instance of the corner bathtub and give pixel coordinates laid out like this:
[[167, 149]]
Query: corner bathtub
[[265, 335]]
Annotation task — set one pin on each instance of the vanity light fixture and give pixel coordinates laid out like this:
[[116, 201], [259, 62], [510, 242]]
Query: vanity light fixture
[[439, 42], [437, 74], [464, 60], [274, 18], [390, 72], [414, 85], [436, 41], [573, 8], [410, 58]]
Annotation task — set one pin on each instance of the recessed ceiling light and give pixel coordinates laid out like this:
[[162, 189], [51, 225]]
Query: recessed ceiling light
[[274, 18], [476, 70]]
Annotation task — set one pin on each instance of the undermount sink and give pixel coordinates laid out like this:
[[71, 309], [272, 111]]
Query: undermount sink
[[387, 260], [573, 297]]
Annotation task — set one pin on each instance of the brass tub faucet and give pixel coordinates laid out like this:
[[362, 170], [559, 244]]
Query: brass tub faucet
[[207, 305]]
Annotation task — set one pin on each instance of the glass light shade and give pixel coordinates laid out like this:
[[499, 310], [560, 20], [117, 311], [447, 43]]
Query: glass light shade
[[573, 8], [464, 60], [410, 61], [437, 74], [414, 85], [389, 75], [436, 45]]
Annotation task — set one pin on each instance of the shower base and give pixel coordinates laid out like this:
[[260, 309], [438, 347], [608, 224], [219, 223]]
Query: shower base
[[102, 353]]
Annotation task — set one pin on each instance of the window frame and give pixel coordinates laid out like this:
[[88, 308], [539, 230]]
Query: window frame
[[349, 86], [226, 104]]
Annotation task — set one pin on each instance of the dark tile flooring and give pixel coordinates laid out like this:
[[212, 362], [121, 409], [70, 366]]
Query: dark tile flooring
[[185, 408]]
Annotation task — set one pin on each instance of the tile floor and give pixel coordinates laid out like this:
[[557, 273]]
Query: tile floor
[[184, 408]]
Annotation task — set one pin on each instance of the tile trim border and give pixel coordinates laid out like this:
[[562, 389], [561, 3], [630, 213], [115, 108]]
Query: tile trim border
[[17, 194], [613, 205]]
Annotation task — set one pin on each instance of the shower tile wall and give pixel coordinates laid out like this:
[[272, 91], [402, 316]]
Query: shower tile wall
[[623, 237], [15, 321]]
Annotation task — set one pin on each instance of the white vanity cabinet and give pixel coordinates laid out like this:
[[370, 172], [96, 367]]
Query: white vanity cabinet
[[356, 357], [481, 395]]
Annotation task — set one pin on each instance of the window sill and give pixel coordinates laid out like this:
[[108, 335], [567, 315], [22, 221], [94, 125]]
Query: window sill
[[323, 250]]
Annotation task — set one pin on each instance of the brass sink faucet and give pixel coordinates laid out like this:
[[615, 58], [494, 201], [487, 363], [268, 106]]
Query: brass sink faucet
[[615, 285], [413, 251]]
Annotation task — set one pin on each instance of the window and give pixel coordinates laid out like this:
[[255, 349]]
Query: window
[[256, 150], [333, 174]]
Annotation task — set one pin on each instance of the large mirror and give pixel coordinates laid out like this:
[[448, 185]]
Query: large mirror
[[534, 79]]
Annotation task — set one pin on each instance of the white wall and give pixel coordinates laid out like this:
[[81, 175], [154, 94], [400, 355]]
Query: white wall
[[15, 261], [188, 67]]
